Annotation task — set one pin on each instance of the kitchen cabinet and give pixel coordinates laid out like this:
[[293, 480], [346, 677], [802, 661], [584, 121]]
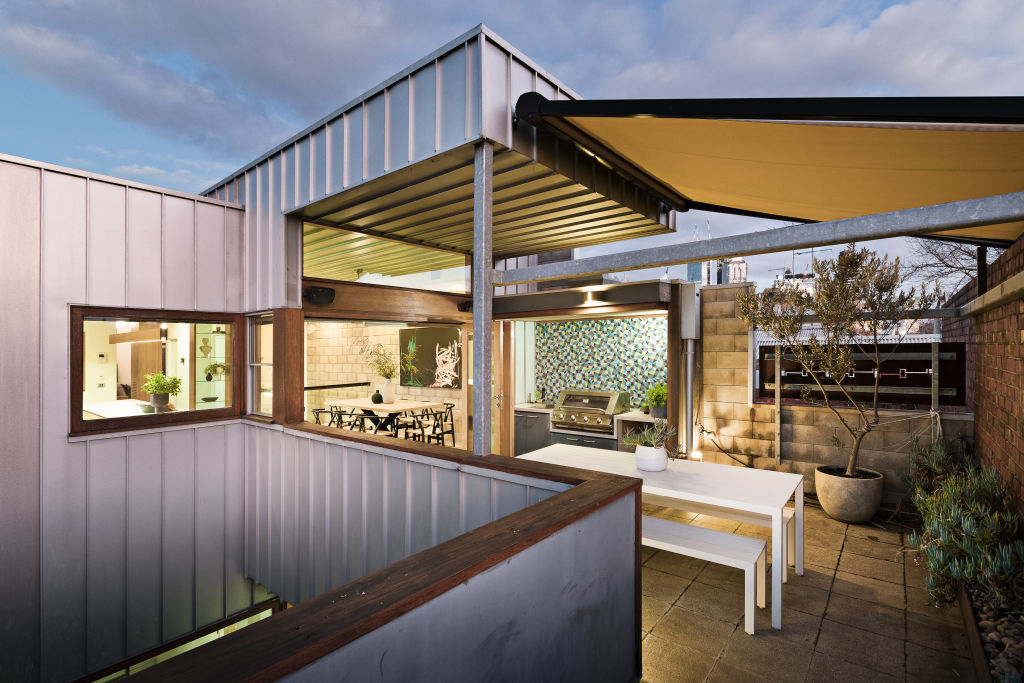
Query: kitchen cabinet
[[532, 431], [589, 441]]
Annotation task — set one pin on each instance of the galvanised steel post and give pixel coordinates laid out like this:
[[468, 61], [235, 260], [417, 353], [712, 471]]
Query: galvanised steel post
[[483, 291]]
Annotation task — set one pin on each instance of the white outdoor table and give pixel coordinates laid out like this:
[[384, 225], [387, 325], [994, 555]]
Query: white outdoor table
[[761, 492]]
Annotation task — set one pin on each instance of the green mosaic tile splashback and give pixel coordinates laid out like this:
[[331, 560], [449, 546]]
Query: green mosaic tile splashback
[[622, 354]]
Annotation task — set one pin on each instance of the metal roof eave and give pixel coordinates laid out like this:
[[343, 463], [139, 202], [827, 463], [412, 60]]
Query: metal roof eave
[[534, 107]]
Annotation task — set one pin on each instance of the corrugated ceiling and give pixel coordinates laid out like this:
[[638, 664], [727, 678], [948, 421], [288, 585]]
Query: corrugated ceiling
[[536, 209], [336, 254]]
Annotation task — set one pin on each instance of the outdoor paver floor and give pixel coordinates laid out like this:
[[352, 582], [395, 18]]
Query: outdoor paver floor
[[859, 613]]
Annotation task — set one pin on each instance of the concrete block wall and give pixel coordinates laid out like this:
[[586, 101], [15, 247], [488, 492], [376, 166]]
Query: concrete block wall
[[746, 430], [332, 358], [725, 410]]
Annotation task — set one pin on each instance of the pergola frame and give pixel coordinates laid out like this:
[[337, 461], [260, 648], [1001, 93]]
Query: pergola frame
[[907, 222]]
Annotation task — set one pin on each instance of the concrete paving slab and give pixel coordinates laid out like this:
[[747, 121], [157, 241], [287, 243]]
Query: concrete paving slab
[[859, 613], [866, 615], [862, 565]]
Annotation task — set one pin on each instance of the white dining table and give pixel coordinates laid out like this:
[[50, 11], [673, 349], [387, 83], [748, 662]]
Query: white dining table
[[693, 485]]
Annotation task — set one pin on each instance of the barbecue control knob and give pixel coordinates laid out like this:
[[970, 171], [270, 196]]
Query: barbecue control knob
[[572, 417], [586, 418], [597, 420]]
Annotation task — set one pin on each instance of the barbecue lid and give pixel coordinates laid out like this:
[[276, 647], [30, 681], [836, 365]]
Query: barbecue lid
[[611, 402]]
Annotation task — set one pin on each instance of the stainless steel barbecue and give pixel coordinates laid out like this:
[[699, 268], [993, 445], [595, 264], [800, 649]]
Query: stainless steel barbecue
[[591, 411]]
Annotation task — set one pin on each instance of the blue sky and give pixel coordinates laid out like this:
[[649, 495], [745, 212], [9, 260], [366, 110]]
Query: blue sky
[[179, 93]]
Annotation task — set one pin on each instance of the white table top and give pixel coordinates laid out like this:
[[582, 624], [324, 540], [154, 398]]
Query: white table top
[[740, 488], [127, 407], [393, 407]]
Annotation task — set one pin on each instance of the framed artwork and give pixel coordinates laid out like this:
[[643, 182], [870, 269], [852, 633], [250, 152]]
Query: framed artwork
[[430, 357]]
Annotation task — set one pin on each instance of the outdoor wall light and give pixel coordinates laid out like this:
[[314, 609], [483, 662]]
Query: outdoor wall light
[[592, 300]]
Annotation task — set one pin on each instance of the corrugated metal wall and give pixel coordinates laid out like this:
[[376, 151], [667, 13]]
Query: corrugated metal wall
[[322, 512], [105, 589], [155, 549], [463, 92]]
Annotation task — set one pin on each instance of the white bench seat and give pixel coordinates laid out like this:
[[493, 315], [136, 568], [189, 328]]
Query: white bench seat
[[788, 523], [720, 547]]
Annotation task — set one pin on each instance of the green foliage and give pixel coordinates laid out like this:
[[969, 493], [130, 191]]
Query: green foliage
[[378, 357], [408, 357], [655, 435], [859, 293], [657, 395], [159, 383], [932, 464], [968, 535], [212, 368]]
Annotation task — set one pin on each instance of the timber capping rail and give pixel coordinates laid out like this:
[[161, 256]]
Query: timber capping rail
[[292, 639]]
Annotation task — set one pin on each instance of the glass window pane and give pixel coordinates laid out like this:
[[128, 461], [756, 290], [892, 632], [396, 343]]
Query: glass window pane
[[263, 342], [263, 383], [129, 365]]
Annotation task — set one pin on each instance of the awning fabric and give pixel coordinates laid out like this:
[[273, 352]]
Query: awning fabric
[[806, 160]]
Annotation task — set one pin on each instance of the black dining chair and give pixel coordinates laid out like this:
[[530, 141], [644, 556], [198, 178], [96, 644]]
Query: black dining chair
[[347, 419], [441, 423]]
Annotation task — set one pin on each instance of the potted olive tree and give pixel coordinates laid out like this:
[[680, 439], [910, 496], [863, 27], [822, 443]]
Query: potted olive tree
[[857, 299], [650, 441], [160, 388]]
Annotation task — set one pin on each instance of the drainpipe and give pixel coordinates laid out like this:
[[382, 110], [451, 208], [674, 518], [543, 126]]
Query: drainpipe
[[688, 393]]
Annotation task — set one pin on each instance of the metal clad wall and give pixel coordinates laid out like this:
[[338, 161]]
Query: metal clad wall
[[160, 542], [380, 506], [19, 447], [463, 92], [560, 610], [90, 594], [453, 97]]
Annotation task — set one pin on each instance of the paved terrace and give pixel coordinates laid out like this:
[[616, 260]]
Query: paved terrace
[[859, 613]]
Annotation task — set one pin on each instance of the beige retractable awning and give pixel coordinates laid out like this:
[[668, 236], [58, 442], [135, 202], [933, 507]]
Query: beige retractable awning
[[763, 157]]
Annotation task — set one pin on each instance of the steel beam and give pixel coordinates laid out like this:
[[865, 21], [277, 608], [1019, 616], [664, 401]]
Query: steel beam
[[483, 292], [970, 213]]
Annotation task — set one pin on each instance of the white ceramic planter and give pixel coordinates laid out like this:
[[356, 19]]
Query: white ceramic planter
[[387, 391], [651, 459]]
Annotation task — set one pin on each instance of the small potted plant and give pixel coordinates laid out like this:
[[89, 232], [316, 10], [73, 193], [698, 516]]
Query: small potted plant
[[160, 388], [215, 369], [656, 398], [650, 441]]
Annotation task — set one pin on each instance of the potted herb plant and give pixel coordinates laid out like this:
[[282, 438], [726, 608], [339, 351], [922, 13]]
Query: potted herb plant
[[657, 396], [650, 441], [382, 362], [160, 388], [215, 369], [857, 292]]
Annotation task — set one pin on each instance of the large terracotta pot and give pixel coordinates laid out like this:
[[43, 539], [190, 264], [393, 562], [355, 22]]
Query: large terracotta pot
[[651, 459], [848, 499]]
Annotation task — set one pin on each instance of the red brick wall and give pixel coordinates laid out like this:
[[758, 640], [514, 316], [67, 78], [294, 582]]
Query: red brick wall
[[996, 364]]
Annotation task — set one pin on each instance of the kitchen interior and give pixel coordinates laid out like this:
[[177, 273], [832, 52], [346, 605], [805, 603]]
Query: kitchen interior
[[582, 372]]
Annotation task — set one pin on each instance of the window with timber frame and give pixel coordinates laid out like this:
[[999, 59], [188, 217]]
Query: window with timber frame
[[135, 368]]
